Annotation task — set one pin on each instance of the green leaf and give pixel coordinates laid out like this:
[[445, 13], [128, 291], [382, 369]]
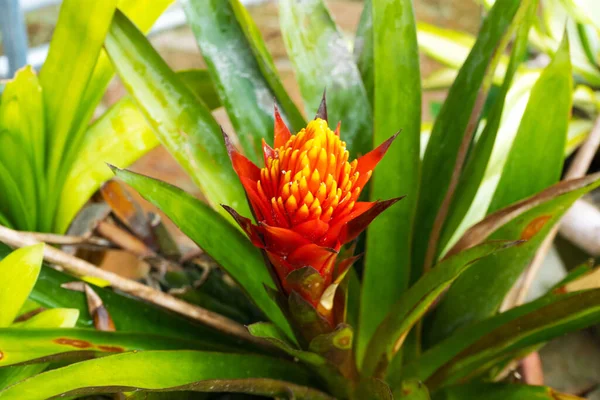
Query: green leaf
[[244, 91], [472, 179], [175, 370], [119, 137], [488, 281], [501, 391], [363, 49], [18, 273], [397, 107], [484, 343], [216, 237], [267, 66], [22, 141], [415, 302], [322, 60], [74, 50], [449, 129], [24, 345], [53, 318], [200, 83], [543, 127], [183, 124]]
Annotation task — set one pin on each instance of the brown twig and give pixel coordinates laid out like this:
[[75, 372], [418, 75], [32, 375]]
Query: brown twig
[[81, 267], [581, 163], [124, 239], [68, 240]]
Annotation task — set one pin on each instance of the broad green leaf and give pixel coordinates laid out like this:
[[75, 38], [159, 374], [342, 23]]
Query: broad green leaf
[[267, 65], [53, 318], [450, 126], [544, 128], [22, 140], [120, 137], [363, 49], [322, 60], [452, 47], [216, 237], [501, 391], [488, 281], [414, 303], [397, 106], [74, 50], [27, 345], [182, 123], [159, 370], [474, 173], [484, 343], [200, 83], [143, 13], [243, 90], [18, 273]]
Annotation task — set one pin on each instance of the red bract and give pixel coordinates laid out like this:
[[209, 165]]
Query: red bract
[[305, 201]]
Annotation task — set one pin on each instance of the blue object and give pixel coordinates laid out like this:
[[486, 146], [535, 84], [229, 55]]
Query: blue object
[[14, 34]]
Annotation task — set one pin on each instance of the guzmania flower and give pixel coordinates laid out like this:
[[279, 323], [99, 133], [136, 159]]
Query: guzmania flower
[[306, 202]]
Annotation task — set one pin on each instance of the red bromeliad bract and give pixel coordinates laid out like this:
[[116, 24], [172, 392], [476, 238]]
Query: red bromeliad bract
[[306, 200]]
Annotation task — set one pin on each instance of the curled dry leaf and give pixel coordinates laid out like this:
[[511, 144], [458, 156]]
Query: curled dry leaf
[[101, 316]]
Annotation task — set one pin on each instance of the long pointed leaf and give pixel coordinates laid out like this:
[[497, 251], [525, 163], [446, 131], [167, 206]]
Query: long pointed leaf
[[487, 341], [183, 124], [78, 39], [390, 334], [246, 94], [158, 370], [216, 237], [322, 61], [501, 391], [451, 124], [488, 282], [397, 107], [478, 162], [31, 346]]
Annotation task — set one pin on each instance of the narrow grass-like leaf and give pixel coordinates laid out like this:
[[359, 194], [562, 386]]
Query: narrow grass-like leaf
[[160, 370], [501, 391], [451, 125], [543, 128], [183, 124], [390, 334], [488, 281], [487, 341], [243, 90], [322, 61], [477, 163], [24, 345], [397, 107], [18, 273], [120, 137], [12, 202], [216, 237]]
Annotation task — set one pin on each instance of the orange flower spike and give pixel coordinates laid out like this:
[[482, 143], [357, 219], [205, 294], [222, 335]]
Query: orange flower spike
[[305, 198]]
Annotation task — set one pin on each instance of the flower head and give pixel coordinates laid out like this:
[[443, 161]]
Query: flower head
[[306, 200]]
